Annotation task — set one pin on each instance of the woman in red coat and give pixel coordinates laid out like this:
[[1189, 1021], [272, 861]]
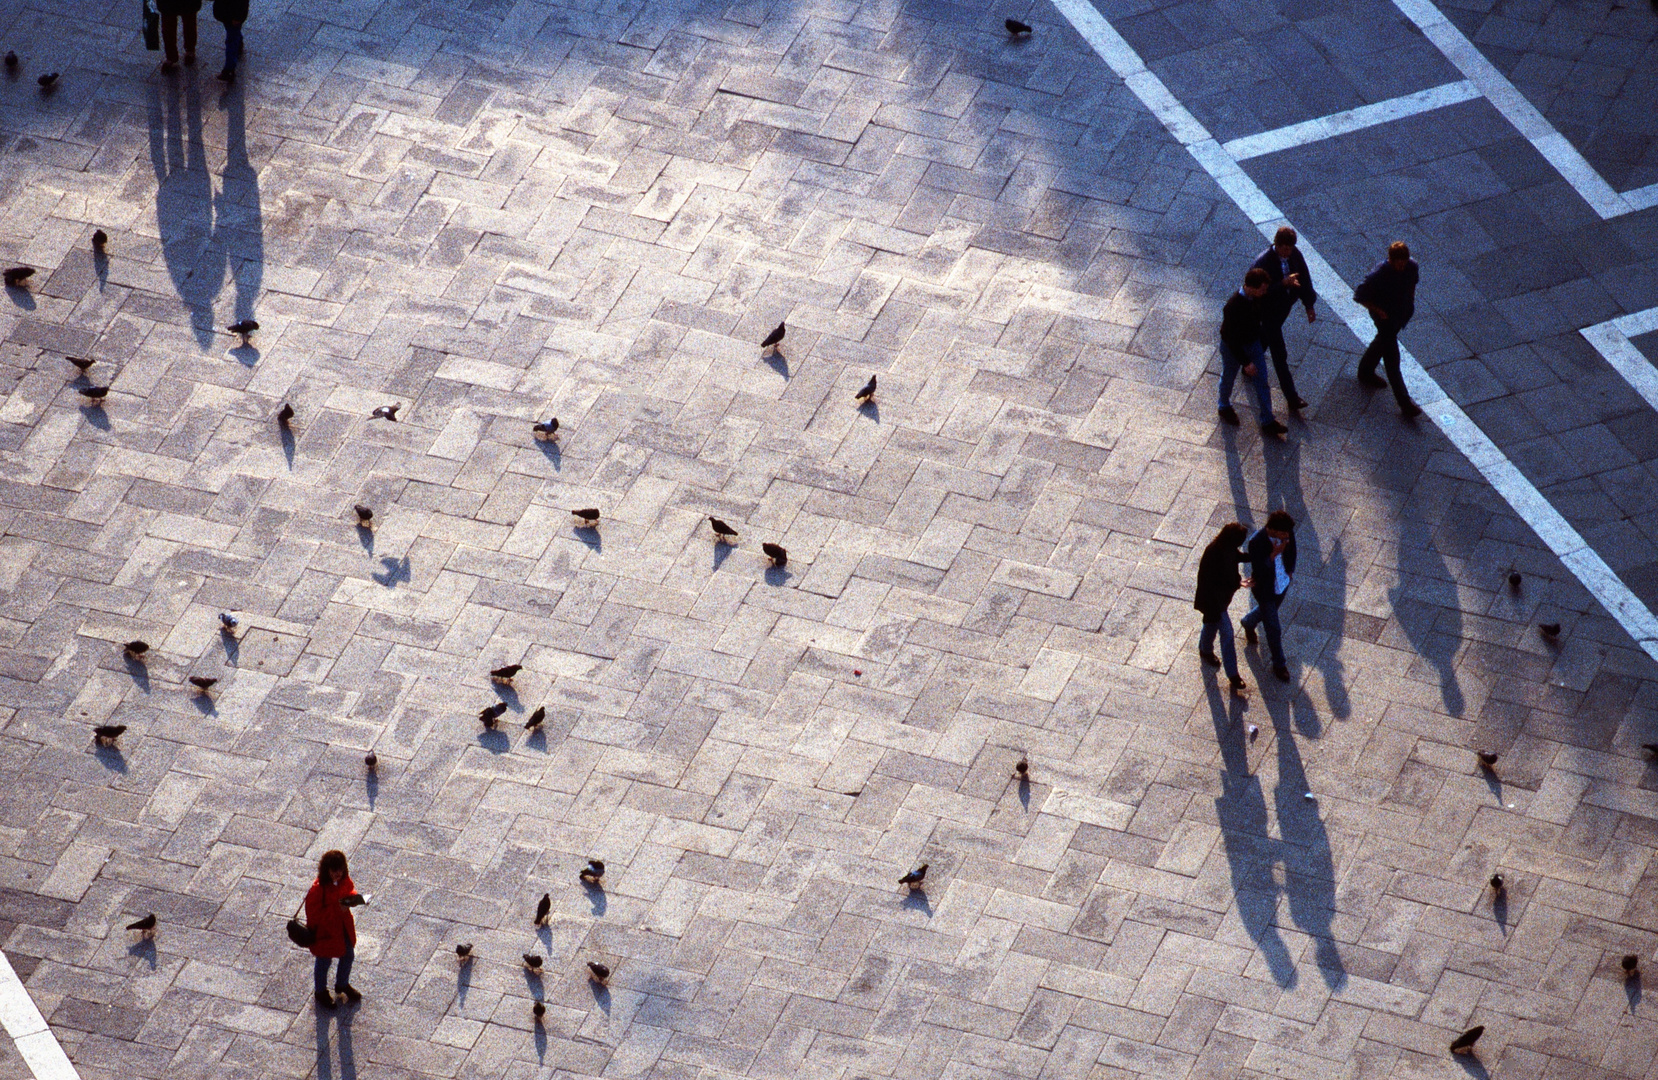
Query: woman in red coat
[[328, 912]]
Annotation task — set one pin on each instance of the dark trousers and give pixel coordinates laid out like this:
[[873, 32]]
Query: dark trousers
[[1384, 347], [1265, 615], [1272, 336], [169, 35], [342, 978], [233, 45]]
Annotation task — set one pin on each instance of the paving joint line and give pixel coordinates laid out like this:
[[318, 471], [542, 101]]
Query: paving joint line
[[1504, 476]]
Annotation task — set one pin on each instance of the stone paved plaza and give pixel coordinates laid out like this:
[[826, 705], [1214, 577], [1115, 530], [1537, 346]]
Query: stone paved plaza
[[498, 211]]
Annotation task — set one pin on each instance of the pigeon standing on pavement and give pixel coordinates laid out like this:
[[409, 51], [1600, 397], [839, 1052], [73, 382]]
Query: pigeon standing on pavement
[[532, 961], [285, 414], [543, 909], [80, 362], [1015, 28], [594, 872], [547, 431], [775, 338], [1022, 769], [489, 714], [1631, 965], [386, 412], [243, 329], [371, 761], [1488, 758], [107, 734], [228, 622], [534, 722], [48, 81], [94, 393], [365, 516], [463, 951], [203, 683], [599, 972], [777, 553], [1549, 630], [723, 533], [17, 275], [99, 239], [505, 674], [867, 393], [136, 648], [145, 926], [588, 517], [11, 60], [1464, 1043], [915, 877]]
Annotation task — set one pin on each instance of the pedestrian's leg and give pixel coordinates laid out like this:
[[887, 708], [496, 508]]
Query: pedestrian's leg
[[1275, 632], [1263, 388], [1228, 649], [342, 978], [1250, 619], [1272, 336], [1228, 375], [320, 971], [1206, 640], [1372, 356], [189, 19], [1395, 374], [233, 46], [169, 40]]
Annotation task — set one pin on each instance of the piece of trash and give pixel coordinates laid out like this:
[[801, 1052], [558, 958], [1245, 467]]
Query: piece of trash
[[1309, 796]]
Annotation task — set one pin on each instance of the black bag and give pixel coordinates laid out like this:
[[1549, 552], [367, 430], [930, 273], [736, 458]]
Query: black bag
[[152, 42], [300, 934]]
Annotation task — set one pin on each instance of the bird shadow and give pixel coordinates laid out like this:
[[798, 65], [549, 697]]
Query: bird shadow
[[204, 704], [22, 297], [140, 674], [287, 436], [550, 450], [722, 552], [588, 535], [532, 980], [1473, 1066], [917, 901], [537, 741], [463, 982], [601, 995], [507, 693], [1499, 911], [111, 758], [596, 897], [778, 363], [365, 537], [100, 267], [1631, 990], [540, 1042], [1024, 792], [233, 646], [246, 355], [777, 576], [396, 570], [96, 416], [494, 740], [544, 934], [871, 409], [371, 787], [144, 949], [1493, 782]]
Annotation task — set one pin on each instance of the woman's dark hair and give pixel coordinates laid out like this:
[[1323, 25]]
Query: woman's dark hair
[[331, 861], [1231, 535], [1280, 521]]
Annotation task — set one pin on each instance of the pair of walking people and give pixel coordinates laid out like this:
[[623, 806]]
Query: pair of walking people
[[1252, 325], [1270, 553]]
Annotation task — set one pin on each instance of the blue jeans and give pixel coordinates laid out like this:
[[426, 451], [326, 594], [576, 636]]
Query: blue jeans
[[1272, 336], [1266, 616], [1222, 628], [233, 45], [342, 978], [1231, 365]]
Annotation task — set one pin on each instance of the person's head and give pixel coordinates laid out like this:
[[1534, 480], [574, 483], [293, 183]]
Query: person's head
[[1256, 281], [1283, 241], [1231, 535], [1398, 253], [1280, 524], [331, 868]]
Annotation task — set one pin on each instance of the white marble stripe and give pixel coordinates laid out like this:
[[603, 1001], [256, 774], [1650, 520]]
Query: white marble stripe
[[1641, 322], [27, 1028], [1515, 108], [1611, 340], [1341, 123], [1501, 473]]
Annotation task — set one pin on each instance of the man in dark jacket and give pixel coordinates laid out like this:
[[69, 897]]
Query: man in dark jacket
[[1389, 293], [1217, 581], [1272, 567], [1290, 283], [1240, 350]]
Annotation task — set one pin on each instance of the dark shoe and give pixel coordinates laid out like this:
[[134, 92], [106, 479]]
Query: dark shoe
[[1229, 414], [1239, 686], [1410, 409], [1283, 673], [1273, 429], [1370, 378], [1211, 659], [228, 75], [350, 993], [325, 1000], [1298, 403], [1249, 635], [189, 59]]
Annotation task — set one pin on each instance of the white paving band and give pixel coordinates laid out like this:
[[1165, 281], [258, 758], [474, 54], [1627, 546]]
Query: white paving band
[[1611, 340], [34, 1040], [1520, 494], [1328, 127]]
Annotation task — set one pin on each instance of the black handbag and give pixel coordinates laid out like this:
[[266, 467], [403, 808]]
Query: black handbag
[[152, 42], [300, 934]]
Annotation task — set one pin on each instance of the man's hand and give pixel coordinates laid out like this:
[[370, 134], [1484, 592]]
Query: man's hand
[[1249, 369], [1292, 281]]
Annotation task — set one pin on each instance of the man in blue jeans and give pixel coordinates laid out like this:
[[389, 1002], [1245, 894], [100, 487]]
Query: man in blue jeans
[[1241, 350], [1272, 567]]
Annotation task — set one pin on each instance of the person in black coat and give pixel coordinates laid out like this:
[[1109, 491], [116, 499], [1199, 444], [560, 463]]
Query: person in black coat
[[1291, 284], [1272, 567], [1217, 581], [233, 13], [1389, 294], [175, 13]]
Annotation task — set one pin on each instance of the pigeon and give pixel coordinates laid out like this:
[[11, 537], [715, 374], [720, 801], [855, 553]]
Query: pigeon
[[1496, 883], [386, 412], [536, 718], [354, 900], [532, 961], [1464, 1043], [1549, 629], [243, 329], [1631, 964], [145, 926], [11, 59], [914, 877], [722, 532], [48, 80], [228, 621], [594, 871], [491, 713], [136, 647], [463, 951], [777, 553], [1015, 27], [1022, 769], [549, 430], [505, 674], [867, 392], [99, 239], [588, 517], [17, 275], [1514, 579], [775, 338], [543, 909], [371, 761], [539, 1010], [365, 516], [600, 973], [94, 393], [1487, 758], [285, 414], [106, 734], [80, 361], [202, 682]]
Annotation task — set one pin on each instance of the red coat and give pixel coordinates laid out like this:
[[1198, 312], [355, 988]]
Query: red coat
[[336, 928]]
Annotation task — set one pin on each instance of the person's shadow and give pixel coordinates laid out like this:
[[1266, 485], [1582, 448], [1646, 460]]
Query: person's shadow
[[340, 1021], [1429, 610]]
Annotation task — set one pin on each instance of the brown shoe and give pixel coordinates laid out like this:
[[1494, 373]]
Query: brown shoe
[[350, 993]]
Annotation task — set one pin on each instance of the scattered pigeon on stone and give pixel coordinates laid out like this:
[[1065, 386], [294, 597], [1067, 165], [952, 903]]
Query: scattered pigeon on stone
[[600, 973], [914, 877], [1253, 731], [867, 392], [106, 734], [365, 516], [1631, 964], [464, 951], [722, 532], [1487, 758], [145, 926], [505, 674], [546, 431], [386, 412], [243, 329], [1464, 1043], [777, 553], [532, 961], [17, 275], [1496, 883], [48, 80], [588, 517], [285, 414], [80, 362], [94, 393], [543, 908], [1549, 629], [1015, 27], [99, 239], [1022, 769], [11, 59], [489, 714], [203, 683], [371, 761], [594, 872], [775, 338], [536, 718], [228, 621], [1514, 579], [539, 1010], [136, 647]]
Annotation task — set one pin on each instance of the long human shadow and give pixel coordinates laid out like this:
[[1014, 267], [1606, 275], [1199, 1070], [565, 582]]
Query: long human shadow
[[1422, 610], [184, 200], [1252, 853], [340, 1022]]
